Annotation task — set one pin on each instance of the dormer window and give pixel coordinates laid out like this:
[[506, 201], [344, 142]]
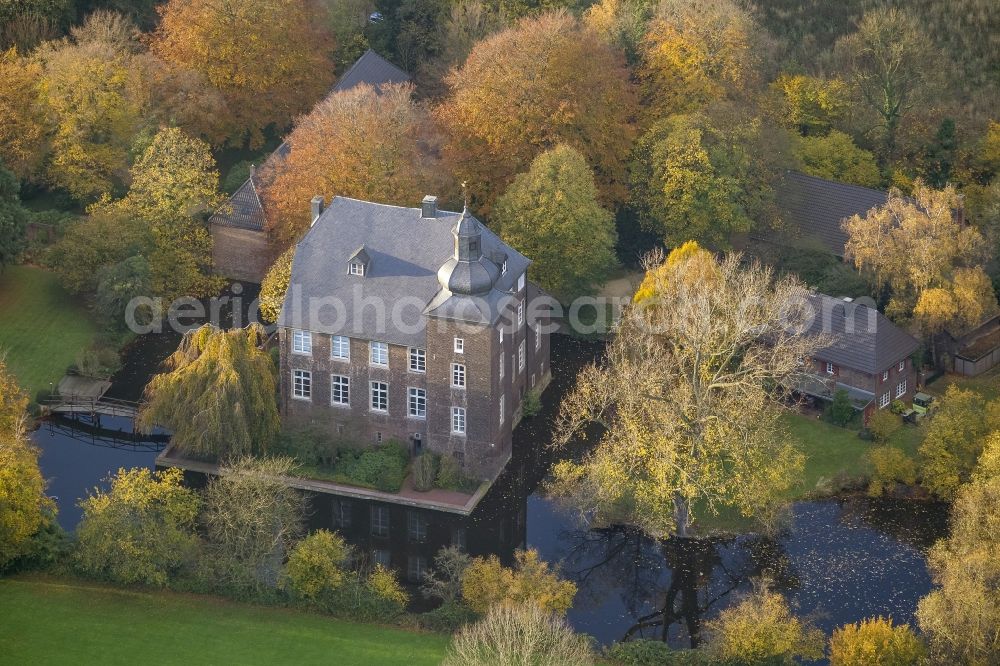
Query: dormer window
[[503, 267], [358, 263]]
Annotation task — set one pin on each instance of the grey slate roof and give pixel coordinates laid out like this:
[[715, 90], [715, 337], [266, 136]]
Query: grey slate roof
[[243, 209], [815, 207], [246, 211], [406, 252], [373, 69], [864, 339]]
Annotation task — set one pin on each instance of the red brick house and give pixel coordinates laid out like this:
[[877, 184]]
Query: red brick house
[[869, 357]]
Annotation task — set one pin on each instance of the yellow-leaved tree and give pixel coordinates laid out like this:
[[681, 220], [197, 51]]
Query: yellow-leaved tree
[[696, 52], [95, 91], [174, 184], [685, 400], [486, 583], [217, 397], [23, 130], [24, 507], [931, 261]]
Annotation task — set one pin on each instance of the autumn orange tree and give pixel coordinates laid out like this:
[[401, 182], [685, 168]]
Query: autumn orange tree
[[358, 143], [545, 81], [269, 59]]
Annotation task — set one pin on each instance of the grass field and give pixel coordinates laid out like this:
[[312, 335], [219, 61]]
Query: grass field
[[65, 622], [833, 452], [42, 328]]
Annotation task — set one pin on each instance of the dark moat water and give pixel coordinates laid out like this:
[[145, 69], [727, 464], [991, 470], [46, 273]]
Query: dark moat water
[[839, 561]]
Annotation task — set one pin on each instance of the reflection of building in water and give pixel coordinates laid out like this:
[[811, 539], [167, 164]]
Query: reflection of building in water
[[406, 538]]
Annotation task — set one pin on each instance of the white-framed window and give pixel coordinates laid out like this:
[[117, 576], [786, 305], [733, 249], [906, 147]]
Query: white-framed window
[[342, 513], [885, 375], [502, 364], [829, 368], [500, 335], [416, 568], [458, 375], [538, 340], [379, 397], [380, 521], [502, 405], [418, 360], [458, 420], [884, 400], [520, 313], [302, 342], [340, 390], [378, 353], [416, 526], [357, 268], [340, 347], [417, 399], [520, 282], [302, 384], [520, 356], [900, 388], [902, 365], [459, 345], [383, 557]]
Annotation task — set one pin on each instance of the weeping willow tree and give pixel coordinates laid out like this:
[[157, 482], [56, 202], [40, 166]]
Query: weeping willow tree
[[218, 396], [686, 401]]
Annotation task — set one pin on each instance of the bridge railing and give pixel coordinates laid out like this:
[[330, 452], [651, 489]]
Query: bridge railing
[[104, 405]]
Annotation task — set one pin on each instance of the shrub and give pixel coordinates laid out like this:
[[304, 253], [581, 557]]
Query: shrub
[[890, 465], [140, 531], [238, 174], [425, 469], [383, 468], [841, 411], [897, 407], [384, 586], [98, 362], [645, 652], [883, 425], [447, 618], [875, 642], [444, 580], [532, 403], [486, 584], [519, 634], [451, 477], [761, 630], [311, 445], [315, 566]]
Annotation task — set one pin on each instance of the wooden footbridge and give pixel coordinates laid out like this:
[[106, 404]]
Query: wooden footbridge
[[83, 395]]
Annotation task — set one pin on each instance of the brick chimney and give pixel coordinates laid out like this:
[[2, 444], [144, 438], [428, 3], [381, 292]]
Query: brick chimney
[[429, 207], [317, 208]]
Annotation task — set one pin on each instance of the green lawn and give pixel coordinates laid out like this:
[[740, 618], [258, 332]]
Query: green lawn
[[42, 328], [65, 622]]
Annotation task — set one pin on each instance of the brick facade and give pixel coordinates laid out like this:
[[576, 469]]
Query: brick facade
[[874, 383], [485, 446], [240, 254]]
